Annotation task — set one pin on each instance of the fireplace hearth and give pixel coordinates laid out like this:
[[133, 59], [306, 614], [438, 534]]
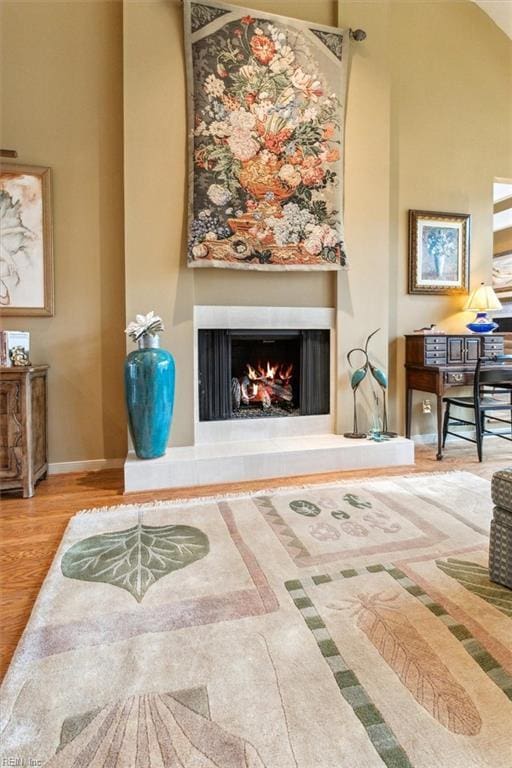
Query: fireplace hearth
[[253, 443], [255, 374]]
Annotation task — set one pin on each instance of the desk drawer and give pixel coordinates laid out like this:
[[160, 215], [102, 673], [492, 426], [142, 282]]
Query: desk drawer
[[435, 348], [494, 349], [435, 345], [458, 378], [435, 357], [493, 343]]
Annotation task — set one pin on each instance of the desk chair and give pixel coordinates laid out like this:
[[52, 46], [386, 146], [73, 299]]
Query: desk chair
[[488, 382]]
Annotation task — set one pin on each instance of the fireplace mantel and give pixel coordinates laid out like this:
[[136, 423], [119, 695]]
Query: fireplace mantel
[[263, 317]]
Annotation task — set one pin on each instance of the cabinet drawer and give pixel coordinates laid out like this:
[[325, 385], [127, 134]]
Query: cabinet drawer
[[435, 357], [458, 377], [492, 342], [435, 341]]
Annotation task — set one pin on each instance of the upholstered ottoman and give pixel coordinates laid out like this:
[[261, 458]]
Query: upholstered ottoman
[[500, 548]]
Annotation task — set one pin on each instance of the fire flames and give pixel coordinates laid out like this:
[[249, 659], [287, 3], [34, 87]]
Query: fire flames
[[270, 372], [267, 384]]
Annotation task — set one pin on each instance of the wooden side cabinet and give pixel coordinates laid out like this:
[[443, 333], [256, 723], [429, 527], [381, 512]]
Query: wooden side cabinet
[[23, 428]]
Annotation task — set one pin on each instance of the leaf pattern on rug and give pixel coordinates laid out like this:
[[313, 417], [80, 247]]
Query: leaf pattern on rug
[[475, 578], [353, 528], [136, 558], [339, 514], [132, 731], [306, 508], [357, 501], [324, 532], [382, 521], [74, 725], [415, 663]]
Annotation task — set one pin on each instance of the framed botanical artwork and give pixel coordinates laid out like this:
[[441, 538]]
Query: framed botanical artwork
[[502, 274], [439, 252], [26, 254]]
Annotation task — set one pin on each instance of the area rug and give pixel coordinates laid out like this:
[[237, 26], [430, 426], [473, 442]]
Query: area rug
[[350, 625]]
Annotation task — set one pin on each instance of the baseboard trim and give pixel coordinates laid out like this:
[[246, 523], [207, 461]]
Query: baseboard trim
[[427, 439], [93, 465]]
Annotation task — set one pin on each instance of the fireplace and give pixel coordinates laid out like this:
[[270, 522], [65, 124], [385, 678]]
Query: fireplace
[[261, 374]]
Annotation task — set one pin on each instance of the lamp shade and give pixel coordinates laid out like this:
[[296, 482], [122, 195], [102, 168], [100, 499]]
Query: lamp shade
[[483, 299]]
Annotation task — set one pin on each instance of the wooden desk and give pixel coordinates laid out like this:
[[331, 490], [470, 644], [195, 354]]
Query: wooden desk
[[434, 364]]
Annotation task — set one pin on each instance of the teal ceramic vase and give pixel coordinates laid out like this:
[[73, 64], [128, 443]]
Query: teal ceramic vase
[[149, 375]]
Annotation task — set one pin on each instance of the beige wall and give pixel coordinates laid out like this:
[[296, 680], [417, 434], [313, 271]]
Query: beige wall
[[61, 105], [428, 126], [155, 186], [451, 113], [503, 240], [155, 195], [363, 291]]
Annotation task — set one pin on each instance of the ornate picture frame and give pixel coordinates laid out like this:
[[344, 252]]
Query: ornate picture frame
[[439, 252], [502, 273], [26, 259]]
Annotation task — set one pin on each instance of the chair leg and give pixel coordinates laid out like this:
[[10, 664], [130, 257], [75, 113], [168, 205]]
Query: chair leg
[[446, 422], [479, 421]]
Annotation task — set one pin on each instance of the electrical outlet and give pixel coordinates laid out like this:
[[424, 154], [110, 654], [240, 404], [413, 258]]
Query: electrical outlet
[[427, 406]]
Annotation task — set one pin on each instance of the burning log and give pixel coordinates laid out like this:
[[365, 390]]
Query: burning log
[[268, 385], [244, 387], [279, 391], [236, 394]]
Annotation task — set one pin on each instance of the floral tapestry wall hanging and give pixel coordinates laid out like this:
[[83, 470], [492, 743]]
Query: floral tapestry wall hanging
[[266, 104]]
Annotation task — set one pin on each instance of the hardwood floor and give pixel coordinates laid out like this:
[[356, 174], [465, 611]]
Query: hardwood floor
[[31, 529]]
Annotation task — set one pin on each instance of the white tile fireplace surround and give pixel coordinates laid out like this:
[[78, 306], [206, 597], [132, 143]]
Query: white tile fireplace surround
[[264, 319], [234, 450]]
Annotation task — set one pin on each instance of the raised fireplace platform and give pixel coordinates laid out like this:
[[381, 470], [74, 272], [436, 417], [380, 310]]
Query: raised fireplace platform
[[233, 462]]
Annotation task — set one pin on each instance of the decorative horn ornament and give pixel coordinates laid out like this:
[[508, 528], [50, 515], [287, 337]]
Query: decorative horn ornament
[[355, 381]]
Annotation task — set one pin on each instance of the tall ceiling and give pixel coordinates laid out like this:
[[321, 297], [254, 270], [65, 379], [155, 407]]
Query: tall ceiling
[[500, 12]]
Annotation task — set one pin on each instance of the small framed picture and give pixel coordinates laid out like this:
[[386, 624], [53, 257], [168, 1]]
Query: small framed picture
[[26, 256], [439, 252], [502, 274]]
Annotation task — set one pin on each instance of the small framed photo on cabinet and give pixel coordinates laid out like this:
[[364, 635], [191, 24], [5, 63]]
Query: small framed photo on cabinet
[[439, 252]]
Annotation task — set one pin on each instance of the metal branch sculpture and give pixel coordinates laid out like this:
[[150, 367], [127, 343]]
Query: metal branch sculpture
[[356, 379], [382, 380]]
